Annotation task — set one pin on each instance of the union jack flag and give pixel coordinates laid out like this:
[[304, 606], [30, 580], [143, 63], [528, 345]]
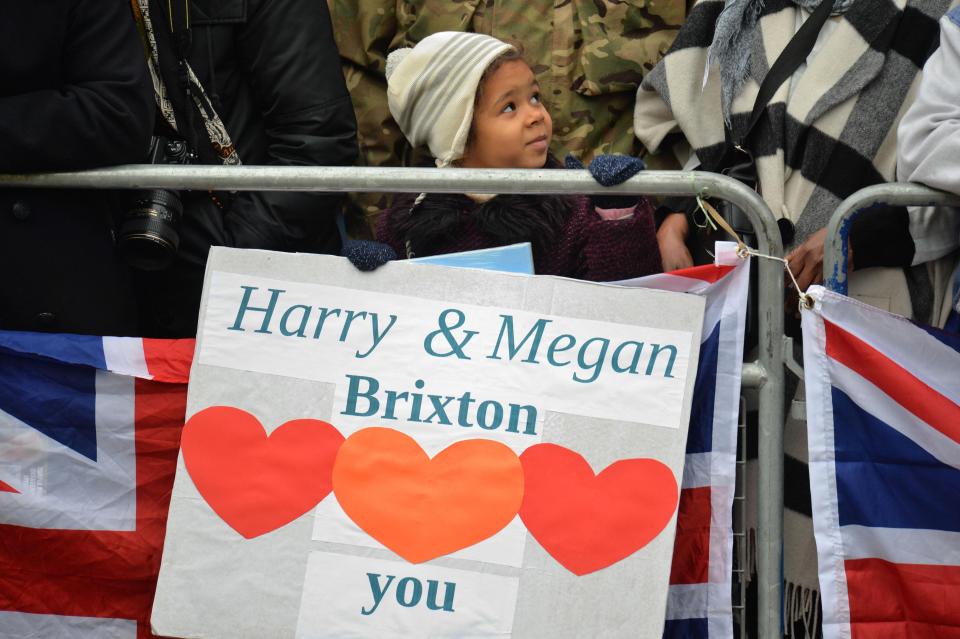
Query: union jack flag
[[89, 433], [883, 411], [699, 602]]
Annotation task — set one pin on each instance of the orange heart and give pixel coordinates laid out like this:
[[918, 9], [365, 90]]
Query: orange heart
[[255, 482], [422, 508]]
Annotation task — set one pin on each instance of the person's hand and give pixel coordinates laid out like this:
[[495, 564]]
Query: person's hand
[[806, 260], [671, 238]]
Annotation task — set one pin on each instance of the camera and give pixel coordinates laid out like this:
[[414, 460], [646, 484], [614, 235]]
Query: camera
[[148, 238]]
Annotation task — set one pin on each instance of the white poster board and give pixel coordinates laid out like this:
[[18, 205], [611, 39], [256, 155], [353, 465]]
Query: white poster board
[[425, 451]]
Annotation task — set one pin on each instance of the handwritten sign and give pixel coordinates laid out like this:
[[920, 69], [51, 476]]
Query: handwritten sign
[[425, 451]]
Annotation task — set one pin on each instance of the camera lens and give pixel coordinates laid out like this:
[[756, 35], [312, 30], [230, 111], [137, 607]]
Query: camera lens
[[148, 238]]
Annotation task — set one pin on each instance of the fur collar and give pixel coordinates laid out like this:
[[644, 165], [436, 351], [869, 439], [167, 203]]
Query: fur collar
[[505, 219]]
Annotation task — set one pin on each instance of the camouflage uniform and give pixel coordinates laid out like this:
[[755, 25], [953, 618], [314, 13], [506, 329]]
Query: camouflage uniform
[[589, 57]]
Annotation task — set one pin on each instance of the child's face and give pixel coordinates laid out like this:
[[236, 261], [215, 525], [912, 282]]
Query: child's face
[[511, 128]]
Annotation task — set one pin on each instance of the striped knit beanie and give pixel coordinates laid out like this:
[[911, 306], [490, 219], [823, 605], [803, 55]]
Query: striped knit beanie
[[431, 89]]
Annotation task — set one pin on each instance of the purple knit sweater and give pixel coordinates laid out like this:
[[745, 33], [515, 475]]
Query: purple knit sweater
[[584, 246]]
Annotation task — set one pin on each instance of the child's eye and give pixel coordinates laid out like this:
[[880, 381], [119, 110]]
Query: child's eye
[[509, 107], [535, 98]]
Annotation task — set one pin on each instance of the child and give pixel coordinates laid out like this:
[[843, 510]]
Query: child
[[475, 103]]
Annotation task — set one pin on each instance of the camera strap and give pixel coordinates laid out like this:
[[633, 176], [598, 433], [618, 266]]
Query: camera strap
[[178, 17], [789, 60], [178, 80]]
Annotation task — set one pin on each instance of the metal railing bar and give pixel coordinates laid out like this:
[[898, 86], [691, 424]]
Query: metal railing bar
[[383, 179], [536, 181]]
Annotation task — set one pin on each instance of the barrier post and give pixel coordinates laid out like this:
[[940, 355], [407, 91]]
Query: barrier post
[[767, 372]]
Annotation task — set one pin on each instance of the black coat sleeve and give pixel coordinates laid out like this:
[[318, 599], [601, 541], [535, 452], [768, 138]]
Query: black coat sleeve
[[288, 51], [100, 110], [880, 236]]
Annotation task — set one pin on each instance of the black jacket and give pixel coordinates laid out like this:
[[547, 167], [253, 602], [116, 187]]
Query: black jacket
[[272, 71], [74, 94]]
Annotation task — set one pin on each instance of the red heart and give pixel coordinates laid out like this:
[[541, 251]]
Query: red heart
[[255, 482], [589, 522]]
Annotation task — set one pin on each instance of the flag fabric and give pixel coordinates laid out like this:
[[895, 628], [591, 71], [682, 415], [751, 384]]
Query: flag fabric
[[883, 411], [699, 601], [89, 433]]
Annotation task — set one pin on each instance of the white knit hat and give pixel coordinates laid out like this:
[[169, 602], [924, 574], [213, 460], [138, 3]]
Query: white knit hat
[[431, 89]]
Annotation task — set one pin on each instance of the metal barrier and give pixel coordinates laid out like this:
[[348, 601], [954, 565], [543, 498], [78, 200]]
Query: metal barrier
[[767, 373], [835, 255]]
